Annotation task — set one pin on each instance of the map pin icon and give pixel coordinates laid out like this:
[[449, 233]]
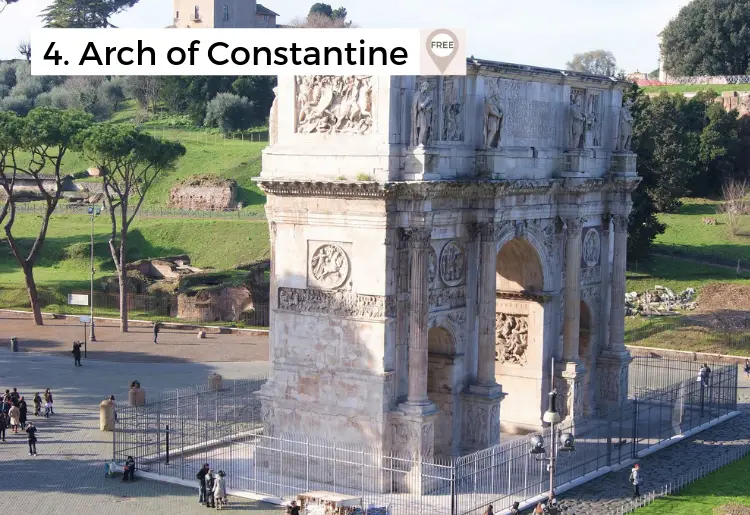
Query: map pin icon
[[442, 46]]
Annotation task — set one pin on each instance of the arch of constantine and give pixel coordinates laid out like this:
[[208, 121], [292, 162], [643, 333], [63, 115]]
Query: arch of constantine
[[436, 242]]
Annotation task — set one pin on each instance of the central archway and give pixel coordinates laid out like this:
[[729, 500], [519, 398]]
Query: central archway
[[519, 268], [441, 349]]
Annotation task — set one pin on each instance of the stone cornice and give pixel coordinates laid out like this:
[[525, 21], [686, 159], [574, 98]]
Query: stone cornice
[[537, 73], [427, 190]]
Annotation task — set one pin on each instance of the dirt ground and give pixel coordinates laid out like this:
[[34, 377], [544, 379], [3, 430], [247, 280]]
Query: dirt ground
[[724, 306], [136, 346]]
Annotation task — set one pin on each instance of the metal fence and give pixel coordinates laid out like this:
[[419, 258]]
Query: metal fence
[[284, 465], [682, 481]]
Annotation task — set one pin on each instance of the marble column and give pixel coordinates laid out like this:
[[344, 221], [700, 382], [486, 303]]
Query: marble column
[[571, 324], [613, 363], [487, 305], [481, 403], [619, 263], [419, 243]]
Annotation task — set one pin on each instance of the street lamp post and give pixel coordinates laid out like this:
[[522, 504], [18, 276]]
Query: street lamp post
[[93, 211], [562, 442]]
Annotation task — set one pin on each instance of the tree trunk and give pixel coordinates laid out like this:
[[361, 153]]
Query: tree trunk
[[123, 272], [36, 308]]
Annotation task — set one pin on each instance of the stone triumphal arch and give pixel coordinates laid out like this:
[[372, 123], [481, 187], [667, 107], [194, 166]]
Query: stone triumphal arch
[[436, 243]]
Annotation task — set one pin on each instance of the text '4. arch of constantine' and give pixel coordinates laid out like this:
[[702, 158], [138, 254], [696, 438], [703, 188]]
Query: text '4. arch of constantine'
[[436, 243]]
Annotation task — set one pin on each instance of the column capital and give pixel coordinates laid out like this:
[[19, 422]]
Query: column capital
[[490, 232], [573, 225], [417, 237], [620, 222]]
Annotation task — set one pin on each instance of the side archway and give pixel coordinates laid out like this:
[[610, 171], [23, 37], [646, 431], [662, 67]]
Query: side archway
[[441, 388]]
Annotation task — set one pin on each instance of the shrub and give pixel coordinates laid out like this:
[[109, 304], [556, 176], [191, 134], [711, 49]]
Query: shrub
[[113, 92], [78, 250], [19, 105], [229, 112], [363, 177]]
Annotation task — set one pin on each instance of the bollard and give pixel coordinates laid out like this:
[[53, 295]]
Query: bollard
[[14, 344], [107, 415], [215, 381]]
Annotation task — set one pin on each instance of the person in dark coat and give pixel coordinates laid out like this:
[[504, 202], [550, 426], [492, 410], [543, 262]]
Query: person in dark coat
[[31, 431], [22, 408], [157, 328], [14, 396], [201, 477], [37, 404], [128, 475], [3, 424], [293, 509], [77, 353]]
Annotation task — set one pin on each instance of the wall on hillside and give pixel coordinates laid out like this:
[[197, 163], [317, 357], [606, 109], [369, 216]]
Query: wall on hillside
[[203, 198]]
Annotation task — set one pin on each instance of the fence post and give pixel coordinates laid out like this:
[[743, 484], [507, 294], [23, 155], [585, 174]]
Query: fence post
[[609, 441], [634, 452], [453, 489], [166, 438], [158, 437]]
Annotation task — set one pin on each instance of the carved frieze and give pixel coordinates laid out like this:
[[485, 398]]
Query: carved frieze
[[329, 267], [431, 267], [511, 338], [447, 298], [591, 248], [475, 424], [594, 119], [336, 303], [329, 104], [453, 109], [452, 264], [591, 275]]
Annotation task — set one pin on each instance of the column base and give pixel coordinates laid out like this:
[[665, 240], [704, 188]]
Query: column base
[[413, 439], [569, 385], [612, 377], [481, 417]]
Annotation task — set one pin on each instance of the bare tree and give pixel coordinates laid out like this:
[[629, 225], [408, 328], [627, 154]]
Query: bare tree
[[734, 203], [24, 48]]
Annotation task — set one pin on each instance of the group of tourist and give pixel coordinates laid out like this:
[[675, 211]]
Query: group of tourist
[[212, 487], [14, 412]]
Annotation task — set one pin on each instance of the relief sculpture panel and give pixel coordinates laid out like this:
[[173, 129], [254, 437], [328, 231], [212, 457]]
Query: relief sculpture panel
[[522, 118], [452, 264], [336, 303], [328, 267], [328, 104], [512, 338], [453, 109]]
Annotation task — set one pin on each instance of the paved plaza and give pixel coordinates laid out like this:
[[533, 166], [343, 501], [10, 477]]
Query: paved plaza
[[68, 476]]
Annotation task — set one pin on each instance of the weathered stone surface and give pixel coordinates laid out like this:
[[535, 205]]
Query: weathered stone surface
[[431, 284]]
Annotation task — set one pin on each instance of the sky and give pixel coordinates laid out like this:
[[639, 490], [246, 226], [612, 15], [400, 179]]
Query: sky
[[534, 32]]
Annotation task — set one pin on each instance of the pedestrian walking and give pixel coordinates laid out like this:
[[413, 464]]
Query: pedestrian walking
[[31, 431], [489, 510], [157, 328], [635, 480], [14, 396], [293, 509], [515, 509], [201, 477], [6, 396], [114, 405], [747, 368], [48, 402], [3, 425], [210, 484], [22, 410], [37, 404], [14, 413], [220, 490], [539, 510], [5, 405], [77, 354], [128, 473]]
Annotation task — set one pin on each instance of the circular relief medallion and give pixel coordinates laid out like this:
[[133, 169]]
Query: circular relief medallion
[[591, 247], [431, 266], [330, 266], [452, 264]]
